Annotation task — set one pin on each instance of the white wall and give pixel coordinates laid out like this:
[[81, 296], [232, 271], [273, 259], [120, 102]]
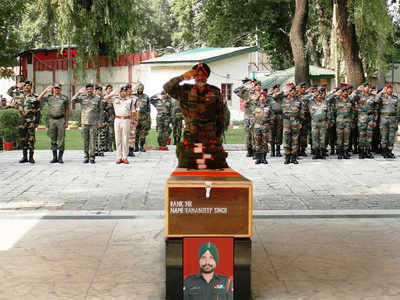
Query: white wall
[[5, 84]]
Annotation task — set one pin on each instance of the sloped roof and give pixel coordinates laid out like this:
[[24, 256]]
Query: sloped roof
[[283, 77], [205, 55]]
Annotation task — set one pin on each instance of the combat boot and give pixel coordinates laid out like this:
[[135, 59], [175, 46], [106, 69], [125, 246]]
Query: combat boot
[[278, 150], [316, 154], [24, 158], [264, 158], [92, 160], [390, 154], [339, 154], [346, 155], [131, 152], [303, 152], [136, 146], [369, 153], [258, 157], [142, 142], [86, 158], [332, 150], [249, 151], [31, 160], [272, 150], [287, 159], [361, 153], [55, 159], [324, 153], [355, 150], [293, 159], [60, 156]]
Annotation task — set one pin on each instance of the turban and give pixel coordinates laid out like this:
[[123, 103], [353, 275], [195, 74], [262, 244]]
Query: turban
[[202, 67], [208, 246]]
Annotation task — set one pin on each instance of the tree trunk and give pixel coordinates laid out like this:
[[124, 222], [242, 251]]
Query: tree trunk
[[297, 41], [351, 49]]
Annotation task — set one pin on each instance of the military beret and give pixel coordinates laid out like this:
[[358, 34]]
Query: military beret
[[98, 88], [124, 88], [245, 80], [337, 88], [350, 86], [163, 92], [380, 90], [202, 67], [140, 86], [128, 86], [276, 86], [344, 88], [292, 87], [57, 86], [301, 84], [314, 85], [321, 90], [89, 85], [28, 82], [208, 246], [389, 85], [365, 83], [373, 87], [109, 86], [263, 94]]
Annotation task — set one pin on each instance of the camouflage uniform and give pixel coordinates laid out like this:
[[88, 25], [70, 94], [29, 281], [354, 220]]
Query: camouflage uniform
[[389, 122], [196, 288], [91, 115], [109, 116], [102, 132], [293, 114], [367, 117], [262, 131], [305, 128], [176, 120], [56, 122], [16, 94], [319, 116], [164, 108], [354, 135], [144, 121], [276, 123], [205, 117], [246, 94]]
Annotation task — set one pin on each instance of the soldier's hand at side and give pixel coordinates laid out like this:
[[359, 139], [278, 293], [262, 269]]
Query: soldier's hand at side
[[99, 125], [189, 74], [66, 125]]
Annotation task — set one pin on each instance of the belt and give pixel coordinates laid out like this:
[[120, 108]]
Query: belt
[[122, 117], [388, 114], [56, 118]]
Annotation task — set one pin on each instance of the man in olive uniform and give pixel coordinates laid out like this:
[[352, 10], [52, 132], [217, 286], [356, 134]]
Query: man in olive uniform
[[91, 115], [390, 117], [58, 119], [109, 120], [29, 111], [205, 120], [98, 90], [143, 117], [318, 111], [305, 98], [16, 92], [176, 120], [277, 121], [207, 284], [162, 102], [262, 128]]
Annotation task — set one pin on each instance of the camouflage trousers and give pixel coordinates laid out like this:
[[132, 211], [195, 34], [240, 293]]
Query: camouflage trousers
[[143, 127], [331, 135], [177, 129], [110, 136], [304, 131], [132, 135], [56, 132], [277, 129], [262, 136], [291, 132], [318, 133], [27, 135], [388, 127], [163, 129], [343, 130], [249, 139], [89, 134], [354, 134], [366, 126], [101, 140]]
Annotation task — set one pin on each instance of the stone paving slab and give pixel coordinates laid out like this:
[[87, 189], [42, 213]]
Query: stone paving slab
[[312, 185], [124, 259]]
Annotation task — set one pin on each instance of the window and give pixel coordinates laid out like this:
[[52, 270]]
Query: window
[[226, 90]]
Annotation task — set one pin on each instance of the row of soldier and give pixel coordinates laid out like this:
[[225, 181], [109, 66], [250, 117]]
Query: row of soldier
[[348, 119], [121, 117]]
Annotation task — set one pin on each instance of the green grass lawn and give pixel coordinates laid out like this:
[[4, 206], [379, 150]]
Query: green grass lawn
[[73, 139]]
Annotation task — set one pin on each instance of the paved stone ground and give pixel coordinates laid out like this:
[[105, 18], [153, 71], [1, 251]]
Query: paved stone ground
[[312, 185]]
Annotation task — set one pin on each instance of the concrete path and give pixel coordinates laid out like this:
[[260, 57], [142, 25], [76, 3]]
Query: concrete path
[[312, 185]]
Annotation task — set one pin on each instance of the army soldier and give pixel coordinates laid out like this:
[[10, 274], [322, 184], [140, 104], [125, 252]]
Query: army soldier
[[109, 120], [390, 117], [163, 105], [354, 134], [176, 120], [207, 284], [132, 129], [262, 128], [245, 92], [91, 115], [16, 92], [101, 135], [205, 120], [124, 114], [367, 117], [277, 121], [3, 104], [58, 119], [301, 94], [143, 117], [29, 108], [293, 114], [318, 110]]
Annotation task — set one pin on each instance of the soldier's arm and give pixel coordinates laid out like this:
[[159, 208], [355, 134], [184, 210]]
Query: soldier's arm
[[44, 92], [76, 98], [37, 114], [173, 88], [101, 112], [10, 91]]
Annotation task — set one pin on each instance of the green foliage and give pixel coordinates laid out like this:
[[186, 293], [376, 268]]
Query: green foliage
[[9, 120], [44, 112]]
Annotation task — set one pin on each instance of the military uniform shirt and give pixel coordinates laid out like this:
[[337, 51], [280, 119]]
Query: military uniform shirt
[[57, 106], [196, 288], [29, 109], [91, 108]]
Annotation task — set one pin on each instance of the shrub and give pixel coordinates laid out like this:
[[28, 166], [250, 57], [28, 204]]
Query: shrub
[[9, 121]]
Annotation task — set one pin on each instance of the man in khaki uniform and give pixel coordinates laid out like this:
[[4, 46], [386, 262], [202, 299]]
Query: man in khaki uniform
[[124, 115], [58, 119]]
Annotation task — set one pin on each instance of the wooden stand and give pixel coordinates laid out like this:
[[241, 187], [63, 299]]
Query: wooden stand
[[208, 203]]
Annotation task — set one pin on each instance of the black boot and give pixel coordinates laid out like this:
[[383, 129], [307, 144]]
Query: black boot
[[339, 154], [142, 142], [361, 154], [287, 159], [31, 160], [264, 158], [332, 150], [258, 157], [272, 150], [24, 158], [355, 151], [249, 151], [369, 153], [278, 150], [316, 154], [55, 159], [303, 152], [324, 153], [60, 156], [390, 154], [131, 152], [136, 146], [346, 155], [86, 158], [293, 159]]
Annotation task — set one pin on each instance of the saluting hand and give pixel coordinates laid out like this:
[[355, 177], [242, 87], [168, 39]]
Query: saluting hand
[[189, 74]]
